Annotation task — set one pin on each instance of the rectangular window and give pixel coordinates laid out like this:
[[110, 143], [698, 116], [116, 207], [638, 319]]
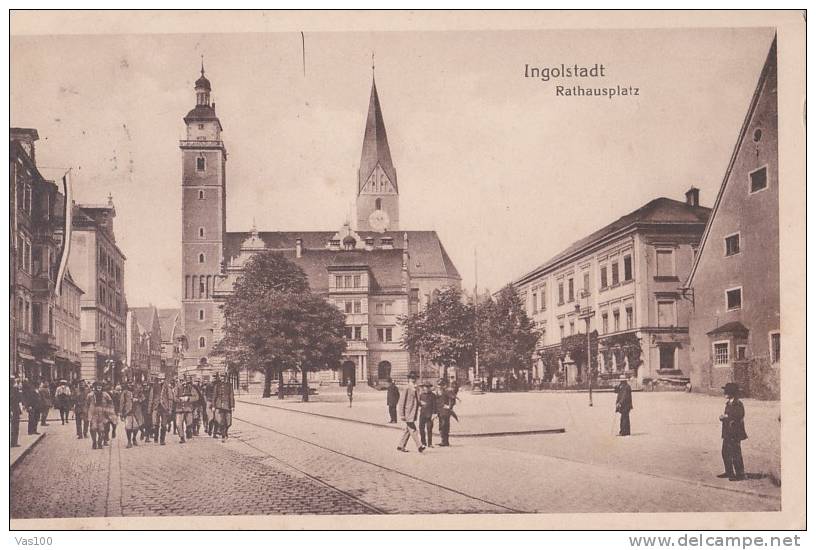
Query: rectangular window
[[338, 281], [388, 335], [570, 290], [358, 306], [347, 281], [358, 333], [387, 307], [561, 331], [720, 353], [742, 352], [732, 245], [759, 179], [776, 347], [630, 317], [200, 164], [357, 281], [543, 297], [348, 332], [560, 292], [616, 320], [535, 302], [733, 298], [572, 328], [665, 314], [627, 268], [665, 263], [378, 309], [615, 273], [380, 335], [347, 307], [604, 282], [587, 290], [605, 322]]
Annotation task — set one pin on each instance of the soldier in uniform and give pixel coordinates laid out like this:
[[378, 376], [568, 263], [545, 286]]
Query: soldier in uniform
[[147, 427], [81, 399], [100, 406], [733, 433], [130, 409], [186, 400], [445, 404], [153, 419], [167, 406], [223, 404]]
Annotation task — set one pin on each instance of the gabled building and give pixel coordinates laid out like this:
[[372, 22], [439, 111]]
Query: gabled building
[[147, 353], [734, 280], [373, 272], [624, 282], [173, 341]]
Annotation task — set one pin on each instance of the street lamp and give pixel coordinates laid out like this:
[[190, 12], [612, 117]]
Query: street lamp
[[587, 315]]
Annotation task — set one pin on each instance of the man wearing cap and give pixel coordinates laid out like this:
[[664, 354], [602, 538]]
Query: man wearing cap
[[100, 406], [186, 400], [427, 410], [223, 404], [408, 410], [81, 399], [130, 409], [623, 405], [733, 432], [445, 403]]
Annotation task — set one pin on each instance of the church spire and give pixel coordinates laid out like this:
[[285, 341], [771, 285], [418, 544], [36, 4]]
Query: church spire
[[375, 142]]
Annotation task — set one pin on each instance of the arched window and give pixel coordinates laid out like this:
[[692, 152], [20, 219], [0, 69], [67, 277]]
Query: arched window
[[200, 232], [202, 342], [201, 258], [384, 370], [201, 195], [378, 204]]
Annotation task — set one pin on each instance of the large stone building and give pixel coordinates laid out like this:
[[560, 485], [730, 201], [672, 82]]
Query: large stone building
[[734, 281], [624, 280], [374, 272], [67, 329], [98, 267], [34, 259]]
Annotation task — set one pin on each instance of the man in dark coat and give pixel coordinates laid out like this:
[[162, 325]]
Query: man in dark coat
[[445, 403], [623, 404], [427, 410], [223, 404], [733, 432], [15, 410], [81, 409], [31, 402], [392, 400], [45, 403]]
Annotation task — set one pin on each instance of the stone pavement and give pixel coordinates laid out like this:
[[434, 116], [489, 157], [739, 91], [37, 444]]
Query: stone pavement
[[64, 477]]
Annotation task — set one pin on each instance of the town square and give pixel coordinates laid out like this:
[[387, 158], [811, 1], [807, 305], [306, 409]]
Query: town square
[[346, 273]]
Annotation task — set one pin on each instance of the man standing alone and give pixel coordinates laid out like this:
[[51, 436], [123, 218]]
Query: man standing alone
[[733, 432], [623, 405], [408, 409], [392, 400], [223, 404]]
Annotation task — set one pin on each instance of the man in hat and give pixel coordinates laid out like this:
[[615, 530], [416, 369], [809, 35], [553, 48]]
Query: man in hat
[[392, 400], [167, 406], [130, 409], [427, 410], [186, 400], [81, 409], [45, 402], [623, 405], [223, 404], [408, 411], [733, 432], [62, 396], [445, 403]]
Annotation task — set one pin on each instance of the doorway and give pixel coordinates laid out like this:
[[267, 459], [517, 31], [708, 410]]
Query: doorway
[[349, 374]]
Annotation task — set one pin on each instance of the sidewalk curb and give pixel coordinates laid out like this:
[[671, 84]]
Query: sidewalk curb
[[397, 427], [25, 451]]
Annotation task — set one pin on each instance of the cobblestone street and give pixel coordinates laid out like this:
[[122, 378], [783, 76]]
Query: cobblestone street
[[283, 462]]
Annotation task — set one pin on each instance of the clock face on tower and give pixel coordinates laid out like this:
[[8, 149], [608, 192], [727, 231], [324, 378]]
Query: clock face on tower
[[378, 220]]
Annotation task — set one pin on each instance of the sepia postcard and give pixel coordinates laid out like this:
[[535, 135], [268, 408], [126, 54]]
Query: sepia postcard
[[407, 270]]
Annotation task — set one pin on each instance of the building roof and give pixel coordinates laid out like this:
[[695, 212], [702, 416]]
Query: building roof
[[428, 258], [659, 211], [768, 71], [202, 81], [375, 144], [734, 327], [144, 316], [168, 320]]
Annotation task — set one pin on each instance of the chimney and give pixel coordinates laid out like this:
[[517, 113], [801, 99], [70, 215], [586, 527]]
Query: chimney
[[693, 197], [298, 248]]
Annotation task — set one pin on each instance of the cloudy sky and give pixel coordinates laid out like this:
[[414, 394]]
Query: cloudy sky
[[493, 161]]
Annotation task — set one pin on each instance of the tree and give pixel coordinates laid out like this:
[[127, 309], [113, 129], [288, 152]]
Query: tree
[[444, 330], [274, 323], [508, 336]]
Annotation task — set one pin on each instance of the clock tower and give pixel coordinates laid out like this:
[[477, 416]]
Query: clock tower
[[203, 215], [377, 191]]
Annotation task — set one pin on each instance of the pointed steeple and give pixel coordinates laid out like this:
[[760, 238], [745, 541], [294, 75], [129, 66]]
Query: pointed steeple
[[375, 143]]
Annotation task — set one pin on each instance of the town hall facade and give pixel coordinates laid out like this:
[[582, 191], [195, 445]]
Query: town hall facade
[[373, 270]]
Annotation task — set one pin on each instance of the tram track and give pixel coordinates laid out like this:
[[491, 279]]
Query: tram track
[[500, 508]]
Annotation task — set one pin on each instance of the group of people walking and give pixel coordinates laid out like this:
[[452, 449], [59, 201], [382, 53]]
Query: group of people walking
[[421, 402], [148, 410]]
